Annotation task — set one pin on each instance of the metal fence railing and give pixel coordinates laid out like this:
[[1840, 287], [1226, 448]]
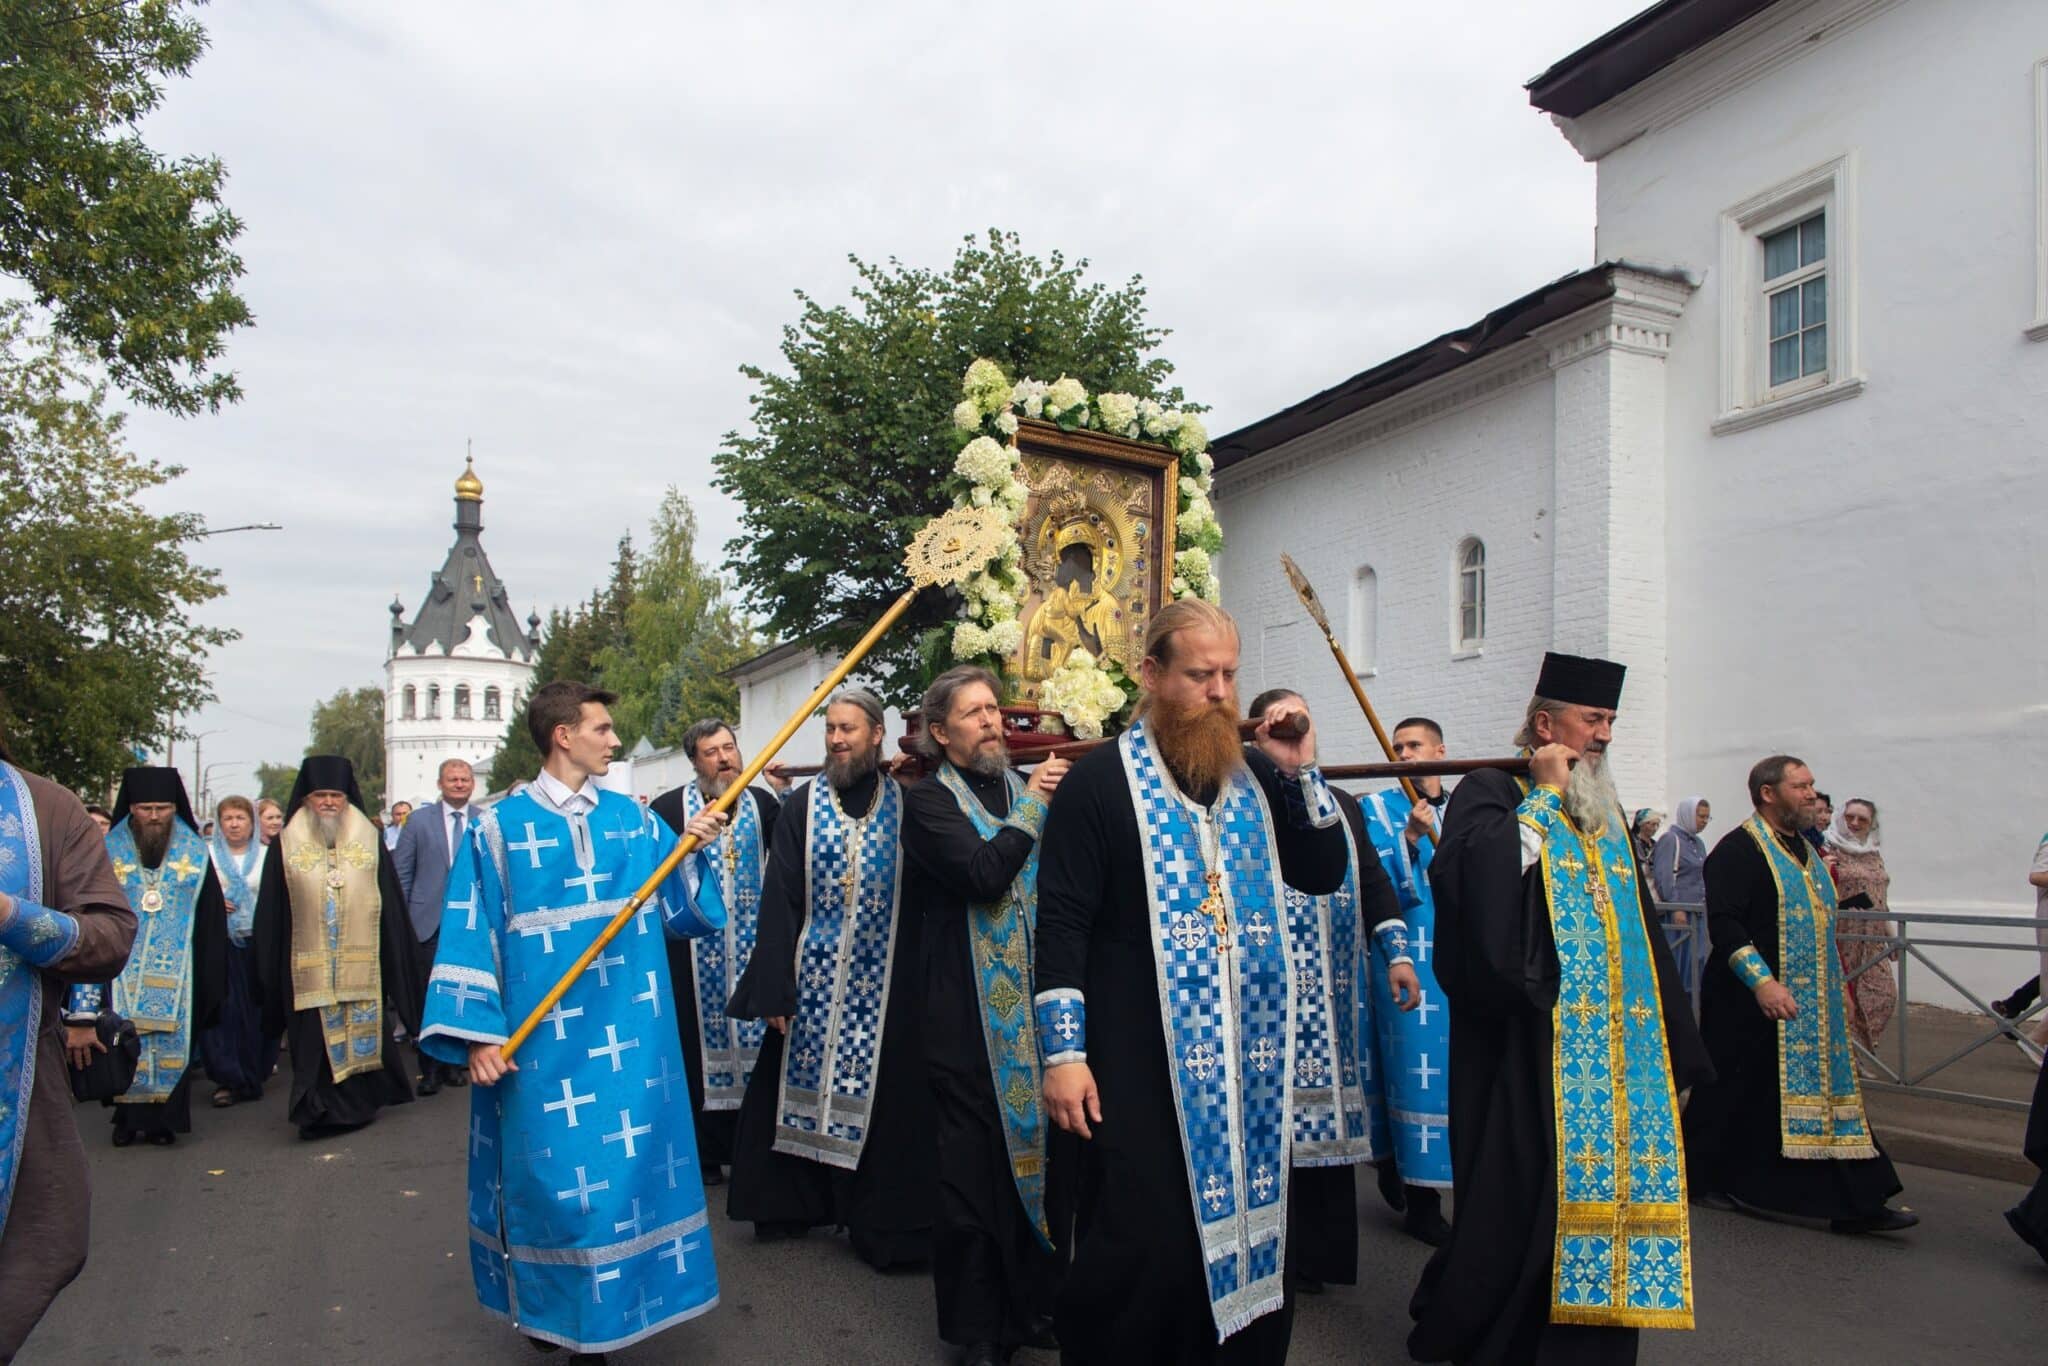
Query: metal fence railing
[[1907, 932]]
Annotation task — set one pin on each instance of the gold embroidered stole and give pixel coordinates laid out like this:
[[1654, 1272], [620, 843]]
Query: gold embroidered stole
[[328, 972]]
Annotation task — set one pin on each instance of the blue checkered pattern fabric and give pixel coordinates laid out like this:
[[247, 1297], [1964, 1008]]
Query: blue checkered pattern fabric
[[1332, 1119], [728, 1048]]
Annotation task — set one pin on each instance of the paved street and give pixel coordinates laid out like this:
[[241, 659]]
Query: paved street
[[242, 1244]]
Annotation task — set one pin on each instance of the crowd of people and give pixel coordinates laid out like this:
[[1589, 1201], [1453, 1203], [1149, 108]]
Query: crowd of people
[[1104, 1044]]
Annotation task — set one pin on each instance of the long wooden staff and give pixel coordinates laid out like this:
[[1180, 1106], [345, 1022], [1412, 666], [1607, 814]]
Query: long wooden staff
[[946, 550], [1307, 593]]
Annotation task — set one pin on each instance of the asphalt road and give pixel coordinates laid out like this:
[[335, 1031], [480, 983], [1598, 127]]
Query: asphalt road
[[243, 1244]]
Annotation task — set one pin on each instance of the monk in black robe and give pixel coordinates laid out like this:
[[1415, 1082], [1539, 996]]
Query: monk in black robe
[[714, 752], [2029, 1218], [1486, 1295], [1735, 1147], [885, 1202], [1139, 1289], [342, 1015], [995, 1273]]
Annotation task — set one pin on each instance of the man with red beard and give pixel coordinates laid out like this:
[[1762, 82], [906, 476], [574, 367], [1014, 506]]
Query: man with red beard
[[1163, 989]]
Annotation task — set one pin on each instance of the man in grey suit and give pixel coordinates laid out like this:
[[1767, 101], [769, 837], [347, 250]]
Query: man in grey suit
[[426, 846]]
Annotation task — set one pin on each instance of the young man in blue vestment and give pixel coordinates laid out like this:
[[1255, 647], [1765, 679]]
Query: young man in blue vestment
[[1164, 1007], [587, 1224], [1412, 1049]]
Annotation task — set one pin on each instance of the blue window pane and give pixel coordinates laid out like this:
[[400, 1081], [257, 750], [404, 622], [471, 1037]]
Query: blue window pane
[[1781, 253], [1785, 360], [1813, 239], [1784, 312], [1816, 351], [1816, 294]]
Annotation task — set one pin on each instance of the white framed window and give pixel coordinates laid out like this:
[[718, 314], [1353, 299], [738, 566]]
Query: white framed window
[[1788, 326], [462, 701], [491, 712], [1365, 620], [409, 707], [2038, 329], [1469, 627], [433, 701]]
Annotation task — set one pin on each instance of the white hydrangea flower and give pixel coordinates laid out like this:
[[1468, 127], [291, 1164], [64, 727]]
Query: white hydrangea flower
[[1006, 422], [1149, 414], [986, 386], [1192, 564], [970, 640], [1179, 586], [1119, 413], [1206, 463], [966, 417], [1191, 437], [1005, 636], [1066, 393], [1169, 422], [1188, 485], [984, 462]]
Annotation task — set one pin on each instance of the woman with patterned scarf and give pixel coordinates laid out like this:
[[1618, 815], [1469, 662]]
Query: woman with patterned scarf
[[1867, 976]]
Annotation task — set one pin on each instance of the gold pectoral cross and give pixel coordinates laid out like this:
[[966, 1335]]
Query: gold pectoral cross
[[732, 856], [1218, 912]]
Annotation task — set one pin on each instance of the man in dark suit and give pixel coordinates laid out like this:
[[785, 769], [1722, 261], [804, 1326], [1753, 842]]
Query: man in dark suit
[[426, 846]]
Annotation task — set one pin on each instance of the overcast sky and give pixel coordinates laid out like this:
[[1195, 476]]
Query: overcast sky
[[558, 230]]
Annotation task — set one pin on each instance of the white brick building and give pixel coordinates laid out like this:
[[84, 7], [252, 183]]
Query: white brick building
[[1782, 456]]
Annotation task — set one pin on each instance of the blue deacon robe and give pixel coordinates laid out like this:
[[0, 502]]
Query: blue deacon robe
[[587, 1224], [1412, 1047]]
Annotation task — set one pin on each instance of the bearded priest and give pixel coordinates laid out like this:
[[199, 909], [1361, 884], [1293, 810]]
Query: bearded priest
[[1164, 998], [176, 977], [333, 944], [1571, 1037]]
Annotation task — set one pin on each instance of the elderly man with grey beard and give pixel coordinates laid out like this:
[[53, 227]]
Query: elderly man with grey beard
[[333, 946], [836, 1126], [1571, 1037]]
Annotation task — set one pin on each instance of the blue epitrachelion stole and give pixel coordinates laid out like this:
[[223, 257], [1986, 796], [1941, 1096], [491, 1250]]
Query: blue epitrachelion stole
[[155, 988], [727, 1047], [35, 938], [1333, 1119], [844, 966]]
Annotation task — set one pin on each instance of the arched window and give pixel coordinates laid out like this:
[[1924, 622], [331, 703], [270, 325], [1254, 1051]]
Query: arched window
[[1365, 619], [411, 705], [462, 701], [491, 711], [1471, 593], [433, 701]]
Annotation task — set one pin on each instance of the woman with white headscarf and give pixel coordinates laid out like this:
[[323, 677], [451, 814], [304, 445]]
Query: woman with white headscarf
[[1677, 867], [1873, 990]]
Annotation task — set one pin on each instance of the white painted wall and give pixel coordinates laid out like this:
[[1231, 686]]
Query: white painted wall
[[1862, 584], [769, 696]]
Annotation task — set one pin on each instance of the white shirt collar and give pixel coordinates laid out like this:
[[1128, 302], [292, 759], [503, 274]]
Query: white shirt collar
[[557, 794]]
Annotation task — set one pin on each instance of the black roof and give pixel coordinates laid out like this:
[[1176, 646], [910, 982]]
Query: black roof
[[1501, 328], [1632, 52], [464, 587]]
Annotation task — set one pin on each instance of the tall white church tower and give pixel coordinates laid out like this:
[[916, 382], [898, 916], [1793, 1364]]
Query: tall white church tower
[[459, 669]]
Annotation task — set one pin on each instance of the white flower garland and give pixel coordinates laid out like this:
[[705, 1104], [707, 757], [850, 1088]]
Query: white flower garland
[[1087, 694]]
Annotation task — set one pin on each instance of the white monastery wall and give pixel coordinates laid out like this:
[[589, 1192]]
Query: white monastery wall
[[767, 699], [1861, 583]]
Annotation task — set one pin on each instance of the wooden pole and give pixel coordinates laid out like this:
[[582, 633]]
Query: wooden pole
[[1425, 768], [688, 844], [1307, 594]]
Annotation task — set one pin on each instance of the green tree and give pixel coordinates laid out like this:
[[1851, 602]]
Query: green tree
[[99, 651], [131, 253], [351, 724], [850, 451], [682, 633], [275, 781]]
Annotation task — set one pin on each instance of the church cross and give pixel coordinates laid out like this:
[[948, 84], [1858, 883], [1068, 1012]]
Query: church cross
[[183, 866], [1425, 1133], [1640, 1013], [546, 932], [1214, 1191], [1262, 1182], [477, 1140], [571, 1102], [670, 1167], [1259, 930], [640, 916], [603, 961], [627, 1132], [463, 993], [613, 1048], [597, 1280], [1218, 911], [1065, 1025], [526, 1155], [1425, 1071], [664, 1081], [674, 1251], [643, 1308], [588, 882], [478, 580], [469, 907], [583, 1189], [1422, 944], [651, 996], [559, 1017], [532, 846], [1263, 1054], [633, 1223], [1423, 1007]]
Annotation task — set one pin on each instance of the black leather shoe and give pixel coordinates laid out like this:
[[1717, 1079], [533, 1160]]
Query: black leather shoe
[[1307, 1285], [1884, 1221], [544, 1348], [1427, 1226], [1391, 1189], [2026, 1233], [1714, 1200], [123, 1137], [983, 1354], [713, 1176], [1040, 1336], [428, 1086]]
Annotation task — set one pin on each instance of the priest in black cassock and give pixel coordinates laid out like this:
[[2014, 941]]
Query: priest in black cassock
[[703, 970], [2029, 1218], [176, 976], [1571, 1036], [970, 833], [335, 950], [1781, 1128], [836, 1125], [1163, 994]]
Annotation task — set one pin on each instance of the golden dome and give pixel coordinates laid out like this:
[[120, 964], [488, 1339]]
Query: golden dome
[[469, 486]]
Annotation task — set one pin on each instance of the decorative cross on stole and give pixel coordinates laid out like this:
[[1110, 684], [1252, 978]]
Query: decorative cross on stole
[[1217, 910]]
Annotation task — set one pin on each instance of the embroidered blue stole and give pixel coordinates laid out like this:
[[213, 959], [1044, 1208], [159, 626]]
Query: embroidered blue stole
[[1820, 1105], [1000, 935], [234, 883], [21, 984], [1413, 1046], [1623, 1250], [1331, 1111], [1224, 1005], [155, 988], [728, 1048], [832, 1059]]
